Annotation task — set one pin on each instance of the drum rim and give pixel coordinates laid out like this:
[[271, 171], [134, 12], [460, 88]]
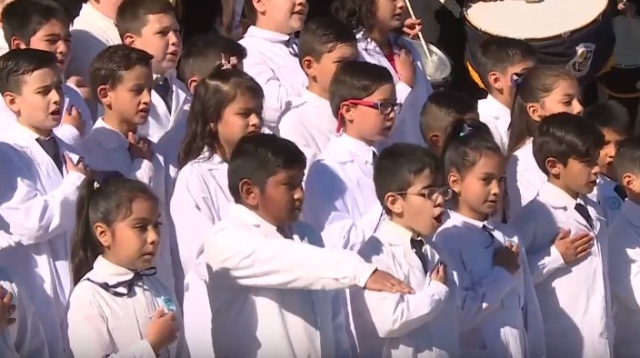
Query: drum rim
[[540, 39]]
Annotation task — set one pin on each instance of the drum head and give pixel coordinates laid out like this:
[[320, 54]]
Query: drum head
[[627, 50], [436, 64], [530, 21]]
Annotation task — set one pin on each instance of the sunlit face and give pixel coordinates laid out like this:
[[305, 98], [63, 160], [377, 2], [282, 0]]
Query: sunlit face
[[39, 103], [608, 152], [576, 177], [367, 121], [161, 38], [322, 71], [283, 16], [479, 187], [130, 100], [564, 98], [134, 241], [242, 117], [389, 14], [52, 37]]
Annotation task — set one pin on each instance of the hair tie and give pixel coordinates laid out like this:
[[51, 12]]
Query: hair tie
[[466, 129], [96, 185], [516, 79], [230, 63]]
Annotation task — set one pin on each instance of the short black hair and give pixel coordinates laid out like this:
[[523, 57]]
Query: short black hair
[[445, 106], [356, 80], [322, 36], [565, 136], [131, 16], [627, 158], [499, 53], [202, 53], [609, 115], [399, 164], [109, 65], [260, 156], [22, 19], [16, 64], [465, 144]]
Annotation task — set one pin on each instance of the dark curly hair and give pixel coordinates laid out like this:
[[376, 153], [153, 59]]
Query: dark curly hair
[[357, 14]]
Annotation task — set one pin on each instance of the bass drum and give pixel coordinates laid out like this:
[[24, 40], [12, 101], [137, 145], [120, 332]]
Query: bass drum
[[581, 40], [623, 79]]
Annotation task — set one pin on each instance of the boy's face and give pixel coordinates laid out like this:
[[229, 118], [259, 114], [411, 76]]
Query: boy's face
[[52, 37], [503, 82], [130, 100], [371, 119], [161, 38], [281, 200], [40, 101], [578, 176], [608, 152], [322, 71], [283, 16]]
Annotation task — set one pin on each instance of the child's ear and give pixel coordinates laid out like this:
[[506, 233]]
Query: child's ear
[[535, 111], [191, 84], [16, 43], [260, 6], [104, 95], [129, 40], [103, 234], [454, 181], [553, 166], [394, 202], [630, 181], [346, 109], [11, 101], [249, 193], [435, 139], [308, 66], [496, 80]]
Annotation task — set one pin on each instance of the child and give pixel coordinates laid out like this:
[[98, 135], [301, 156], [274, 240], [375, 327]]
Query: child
[[43, 25], [117, 299], [376, 24], [624, 243], [408, 185], [442, 109], [272, 53], [498, 310], [544, 90], [275, 269], [40, 177], [4, 47], [570, 273], [151, 25], [613, 121], [501, 62], [309, 123]]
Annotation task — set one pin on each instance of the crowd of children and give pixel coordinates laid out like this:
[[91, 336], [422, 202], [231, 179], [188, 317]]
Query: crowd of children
[[309, 196]]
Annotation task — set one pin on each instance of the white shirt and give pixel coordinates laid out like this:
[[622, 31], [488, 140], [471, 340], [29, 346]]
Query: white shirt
[[407, 125], [265, 288], [272, 60], [498, 118], [91, 32], [604, 194], [423, 324], [37, 209], [498, 311], [161, 120], [103, 324], [524, 178], [624, 259], [25, 338], [574, 299], [310, 124]]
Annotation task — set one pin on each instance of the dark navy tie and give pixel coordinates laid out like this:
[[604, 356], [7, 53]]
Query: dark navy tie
[[163, 89], [417, 246], [584, 212], [50, 146]]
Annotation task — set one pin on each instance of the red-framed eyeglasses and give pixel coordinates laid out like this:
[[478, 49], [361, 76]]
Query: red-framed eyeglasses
[[385, 108]]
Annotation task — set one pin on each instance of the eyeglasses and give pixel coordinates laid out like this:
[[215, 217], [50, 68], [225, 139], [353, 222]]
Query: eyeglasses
[[432, 194], [385, 108]]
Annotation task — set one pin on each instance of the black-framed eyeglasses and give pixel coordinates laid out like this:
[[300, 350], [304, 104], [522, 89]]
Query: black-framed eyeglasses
[[432, 194]]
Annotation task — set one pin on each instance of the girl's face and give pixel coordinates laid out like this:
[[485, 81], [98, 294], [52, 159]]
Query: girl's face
[[479, 189], [242, 117], [371, 119], [564, 98], [389, 14], [133, 242]]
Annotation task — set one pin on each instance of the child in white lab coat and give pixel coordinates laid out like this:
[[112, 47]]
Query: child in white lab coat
[[613, 120], [376, 24], [43, 25], [40, 177], [442, 109], [542, 91], [498, 310], [272, 53], [309, 122], [569, 273], [119, 307], [409, 186], [624, 252], [151, 26], [267, 291]]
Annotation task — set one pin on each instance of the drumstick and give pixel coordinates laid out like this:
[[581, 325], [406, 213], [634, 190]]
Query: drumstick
[[422, 41]]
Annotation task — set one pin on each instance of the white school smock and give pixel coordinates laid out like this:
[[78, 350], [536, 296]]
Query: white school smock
[[37, 207], [407, 125], [523, 178], [624, 258], [310, 124], [66, 132], [498, 311], [574, 299], [272, 60], [170, 144], [266, 290], [423, 324], [498, 118], [102, 324], [91, 32], [604, 194], [25, 338], [161, 120]]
